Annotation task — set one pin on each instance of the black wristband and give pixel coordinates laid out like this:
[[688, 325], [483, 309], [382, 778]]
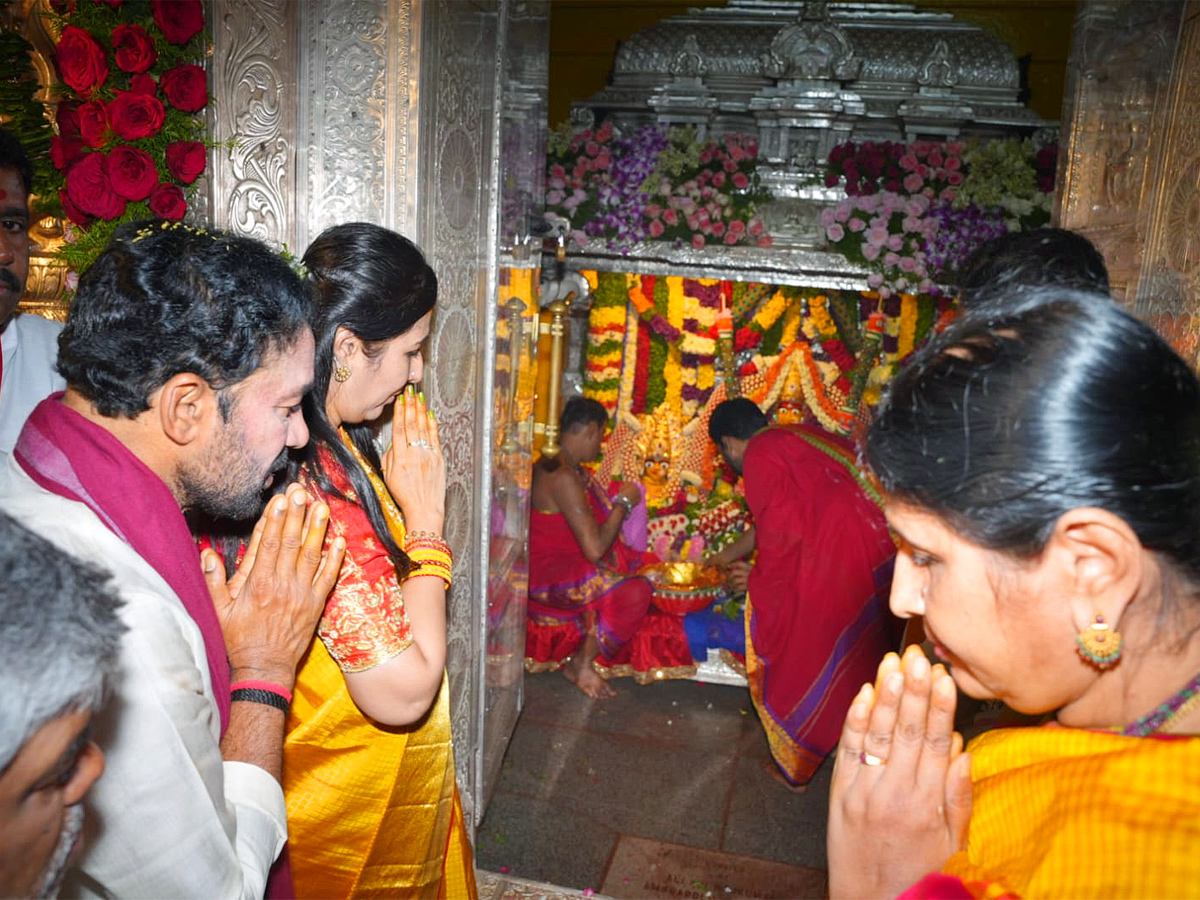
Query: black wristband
[[258, 695]]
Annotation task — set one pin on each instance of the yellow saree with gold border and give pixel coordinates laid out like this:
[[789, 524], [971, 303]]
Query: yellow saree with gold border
[[1060, 812], [373, 810]]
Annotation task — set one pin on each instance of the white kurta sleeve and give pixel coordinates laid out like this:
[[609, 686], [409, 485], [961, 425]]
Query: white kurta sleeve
[[175, 819]]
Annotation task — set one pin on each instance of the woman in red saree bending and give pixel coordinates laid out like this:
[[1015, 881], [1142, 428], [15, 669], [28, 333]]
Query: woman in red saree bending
[[580, 571]]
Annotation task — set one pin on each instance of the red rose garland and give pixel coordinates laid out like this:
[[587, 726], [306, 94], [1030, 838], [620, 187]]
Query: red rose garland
[[129, 142], [179, 20], [166, 201], [133, 116], [131, 172], [186, 160], [186, 88], [133, 48], [81, 61]]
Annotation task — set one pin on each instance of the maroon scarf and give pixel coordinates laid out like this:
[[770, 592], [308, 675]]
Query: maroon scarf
[[74, 458]]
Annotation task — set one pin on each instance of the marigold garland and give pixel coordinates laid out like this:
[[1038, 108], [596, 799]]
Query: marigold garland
[[605, 340], [672, 371], [907, 334]]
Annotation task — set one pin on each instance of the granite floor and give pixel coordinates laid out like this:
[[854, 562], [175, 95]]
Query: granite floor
[[677, 761]]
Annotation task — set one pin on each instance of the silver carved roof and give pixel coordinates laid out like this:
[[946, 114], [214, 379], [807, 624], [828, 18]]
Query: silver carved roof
[[804, 77], [898, 72]]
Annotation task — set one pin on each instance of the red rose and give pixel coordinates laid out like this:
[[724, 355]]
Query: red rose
[[133, 49], [179, 20], [135, 116], [93, 123], [131, 172], [80, 61], [67, 117], [89, 190], [64, 151], [186, 160], [143, 84], [166, 201], [185, 87], [72, 212]]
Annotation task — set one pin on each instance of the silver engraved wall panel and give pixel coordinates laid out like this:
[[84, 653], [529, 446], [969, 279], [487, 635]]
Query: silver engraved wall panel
[[253, 184]]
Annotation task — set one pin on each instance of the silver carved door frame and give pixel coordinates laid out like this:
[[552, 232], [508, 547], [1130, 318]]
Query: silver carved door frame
[[390, 111]]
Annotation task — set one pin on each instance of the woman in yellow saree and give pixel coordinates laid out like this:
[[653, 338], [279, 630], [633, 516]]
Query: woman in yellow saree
[[368, 765], [1041, 461]]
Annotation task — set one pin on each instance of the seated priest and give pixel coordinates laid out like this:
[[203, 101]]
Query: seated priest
[[580, 570], [817, 620]]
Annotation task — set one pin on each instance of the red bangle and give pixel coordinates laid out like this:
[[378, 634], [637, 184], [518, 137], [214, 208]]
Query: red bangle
[[269, 686]]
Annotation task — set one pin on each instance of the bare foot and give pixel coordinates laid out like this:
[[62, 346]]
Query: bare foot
[[581, 674], [773, 770]]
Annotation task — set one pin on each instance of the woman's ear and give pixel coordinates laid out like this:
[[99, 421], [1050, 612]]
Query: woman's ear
[[1099, 562], [345, 344], [186, 406]]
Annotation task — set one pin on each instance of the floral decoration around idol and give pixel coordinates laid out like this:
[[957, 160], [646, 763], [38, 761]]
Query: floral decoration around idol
[[662, 351], [130, 140], [655, 184], [913, 212]]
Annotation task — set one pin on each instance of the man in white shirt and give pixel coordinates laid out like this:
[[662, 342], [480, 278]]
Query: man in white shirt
[[29, 343], [186, 354]]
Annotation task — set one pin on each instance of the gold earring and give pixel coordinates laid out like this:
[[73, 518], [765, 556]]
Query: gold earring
[[341, 371], [1099, 643]]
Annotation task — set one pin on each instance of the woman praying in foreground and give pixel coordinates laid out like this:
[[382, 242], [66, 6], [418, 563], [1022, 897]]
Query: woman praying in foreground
[[1041, 461], [368, 767]]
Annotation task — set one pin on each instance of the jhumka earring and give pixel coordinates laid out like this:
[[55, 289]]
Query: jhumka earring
[[341, 371], [1099, 643]]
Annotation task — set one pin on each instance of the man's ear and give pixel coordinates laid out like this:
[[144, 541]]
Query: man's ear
[[187, 406], [1099, 560]]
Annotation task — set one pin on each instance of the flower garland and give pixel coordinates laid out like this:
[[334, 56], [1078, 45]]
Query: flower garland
[[698, 348], [907, 332], [656, 380], [829, 337], [754, 334], [606, 340], [130, 140], [672, 370]]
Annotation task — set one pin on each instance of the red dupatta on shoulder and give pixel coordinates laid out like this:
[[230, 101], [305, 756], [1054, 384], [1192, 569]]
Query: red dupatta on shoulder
[[74, 458]]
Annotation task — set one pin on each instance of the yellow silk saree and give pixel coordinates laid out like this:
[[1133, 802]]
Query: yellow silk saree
[[1060, 812], [373, 810]]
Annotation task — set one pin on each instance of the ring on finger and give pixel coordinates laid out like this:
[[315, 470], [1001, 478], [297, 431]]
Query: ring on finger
[[870, 759]]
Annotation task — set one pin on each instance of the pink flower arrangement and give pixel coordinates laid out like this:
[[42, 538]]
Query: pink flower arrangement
[[886, 232], [910, 213], [656, 186]]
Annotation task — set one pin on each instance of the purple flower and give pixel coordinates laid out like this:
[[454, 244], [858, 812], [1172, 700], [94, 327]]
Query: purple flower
[[835, 233]]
